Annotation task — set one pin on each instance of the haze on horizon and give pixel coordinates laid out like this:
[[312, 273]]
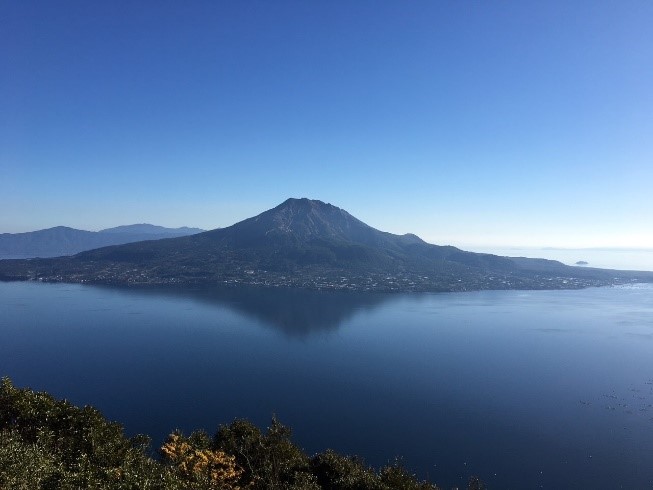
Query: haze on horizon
[[467, 123]]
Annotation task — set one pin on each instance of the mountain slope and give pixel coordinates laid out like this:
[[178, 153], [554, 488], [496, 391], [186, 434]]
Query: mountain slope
[[312, 244], [62, 240]]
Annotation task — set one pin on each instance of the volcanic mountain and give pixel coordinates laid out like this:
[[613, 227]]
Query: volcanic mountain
[[309, 243]]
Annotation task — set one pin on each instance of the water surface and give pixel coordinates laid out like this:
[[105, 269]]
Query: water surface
[[547, 389]]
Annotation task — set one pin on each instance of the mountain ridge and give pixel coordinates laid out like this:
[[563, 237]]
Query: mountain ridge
[[63, 240], [147, 228]]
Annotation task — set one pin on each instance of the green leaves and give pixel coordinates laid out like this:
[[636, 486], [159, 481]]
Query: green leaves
[[51, 444], [48, 443], [270, 460]]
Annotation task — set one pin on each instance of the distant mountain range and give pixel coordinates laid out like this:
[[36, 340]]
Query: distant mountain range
[[310, 244], [61, 240]]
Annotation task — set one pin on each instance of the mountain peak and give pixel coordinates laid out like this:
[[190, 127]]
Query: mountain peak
[[306, 218], [305, 203]]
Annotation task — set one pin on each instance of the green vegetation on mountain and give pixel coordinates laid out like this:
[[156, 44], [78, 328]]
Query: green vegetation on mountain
[[51, 444]]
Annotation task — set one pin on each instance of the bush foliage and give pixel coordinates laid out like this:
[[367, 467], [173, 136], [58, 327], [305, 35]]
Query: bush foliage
[[51, 444]]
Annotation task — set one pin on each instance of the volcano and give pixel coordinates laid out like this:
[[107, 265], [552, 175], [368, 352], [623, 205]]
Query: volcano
[[312, 244]]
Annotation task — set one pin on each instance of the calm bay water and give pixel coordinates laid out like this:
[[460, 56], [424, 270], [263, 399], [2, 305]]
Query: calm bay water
[[546, 389]]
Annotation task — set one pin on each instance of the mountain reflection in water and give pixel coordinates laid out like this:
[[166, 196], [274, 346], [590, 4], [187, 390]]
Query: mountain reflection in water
[[294, 312]]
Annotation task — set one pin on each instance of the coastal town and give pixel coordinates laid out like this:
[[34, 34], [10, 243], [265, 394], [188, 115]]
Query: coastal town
[[316, 278]]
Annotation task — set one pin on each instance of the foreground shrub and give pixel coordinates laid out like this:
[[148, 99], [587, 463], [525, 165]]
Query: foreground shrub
[[51, 444], [201, 466], [337, 472], [270, 460]]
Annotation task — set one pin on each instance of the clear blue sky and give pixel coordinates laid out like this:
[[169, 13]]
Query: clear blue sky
[[466, 122]]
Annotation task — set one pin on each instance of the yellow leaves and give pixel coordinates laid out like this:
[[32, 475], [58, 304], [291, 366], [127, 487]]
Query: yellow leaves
[[219, 468]]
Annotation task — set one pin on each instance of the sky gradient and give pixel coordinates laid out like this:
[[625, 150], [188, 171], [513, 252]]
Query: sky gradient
[[468, 123]]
